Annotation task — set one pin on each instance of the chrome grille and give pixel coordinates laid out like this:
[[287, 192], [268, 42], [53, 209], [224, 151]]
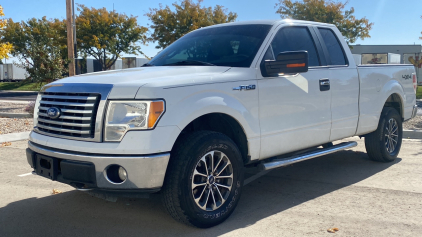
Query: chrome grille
[[78, 114]]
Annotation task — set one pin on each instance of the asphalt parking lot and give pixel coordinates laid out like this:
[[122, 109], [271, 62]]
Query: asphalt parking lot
[[343, 190]]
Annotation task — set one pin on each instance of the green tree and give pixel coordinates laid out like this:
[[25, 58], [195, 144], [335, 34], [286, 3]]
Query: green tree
[[38, 43], [327, 11], [105, 35], [5, 48], [169, 25]]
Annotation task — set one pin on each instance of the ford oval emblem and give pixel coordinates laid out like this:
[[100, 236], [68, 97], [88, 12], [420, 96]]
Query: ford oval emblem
[[53, 112]]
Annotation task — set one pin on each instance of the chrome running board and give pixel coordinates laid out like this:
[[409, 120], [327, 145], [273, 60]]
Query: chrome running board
[[277, 163]]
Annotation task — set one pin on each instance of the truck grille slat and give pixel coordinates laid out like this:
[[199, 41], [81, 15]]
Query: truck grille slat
[[85, 125], [77, 118], [63, 130], [59, 97], [66, 117], [43, 102], [70, 110]]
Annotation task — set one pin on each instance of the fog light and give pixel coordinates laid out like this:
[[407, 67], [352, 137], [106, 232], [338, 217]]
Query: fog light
[[122, 173], [115, 174]]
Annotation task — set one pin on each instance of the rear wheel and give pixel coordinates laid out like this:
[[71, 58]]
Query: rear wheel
[[384, 144], [204, 179]]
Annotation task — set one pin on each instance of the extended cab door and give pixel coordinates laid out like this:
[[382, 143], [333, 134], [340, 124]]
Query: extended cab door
[[344, 83], [294, 110]]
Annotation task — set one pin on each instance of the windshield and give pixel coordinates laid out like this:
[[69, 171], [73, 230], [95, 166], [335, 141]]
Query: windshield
[[233, 46]]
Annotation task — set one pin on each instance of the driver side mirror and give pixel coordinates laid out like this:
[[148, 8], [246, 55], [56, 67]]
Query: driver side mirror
[[291, 62]]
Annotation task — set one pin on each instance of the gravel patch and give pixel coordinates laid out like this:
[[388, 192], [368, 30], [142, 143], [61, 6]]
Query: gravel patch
[[413, 124], [12, 108], [12, 125]]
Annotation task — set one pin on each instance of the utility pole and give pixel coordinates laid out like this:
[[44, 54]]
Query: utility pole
[[74, 30], [70, 46]]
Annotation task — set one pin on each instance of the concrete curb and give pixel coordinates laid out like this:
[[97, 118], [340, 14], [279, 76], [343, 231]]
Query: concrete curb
[[412, 134], [12, 137], [13, 115], [35, 92], [15, 101]]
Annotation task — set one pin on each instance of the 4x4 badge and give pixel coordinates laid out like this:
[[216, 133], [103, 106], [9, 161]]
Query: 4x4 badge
[[244, 88]]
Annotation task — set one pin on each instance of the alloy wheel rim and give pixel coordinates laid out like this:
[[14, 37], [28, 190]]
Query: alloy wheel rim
[[391, 135], [212, 181]]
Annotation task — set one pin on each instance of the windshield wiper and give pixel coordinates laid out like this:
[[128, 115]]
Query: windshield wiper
[[147, 65], [189, 62]]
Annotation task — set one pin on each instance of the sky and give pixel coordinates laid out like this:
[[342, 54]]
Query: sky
[[395, 21]]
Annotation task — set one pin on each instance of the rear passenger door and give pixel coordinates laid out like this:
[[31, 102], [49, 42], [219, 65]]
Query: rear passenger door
[[294, 110], [344, 83]]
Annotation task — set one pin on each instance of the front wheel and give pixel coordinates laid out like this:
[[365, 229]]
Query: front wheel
[[204, 179], [384, 144]]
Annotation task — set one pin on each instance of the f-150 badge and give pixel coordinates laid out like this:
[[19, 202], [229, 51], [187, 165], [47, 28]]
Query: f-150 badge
[[244, 88]]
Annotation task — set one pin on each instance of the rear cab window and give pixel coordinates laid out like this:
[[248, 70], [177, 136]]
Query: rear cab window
[[336, 55]]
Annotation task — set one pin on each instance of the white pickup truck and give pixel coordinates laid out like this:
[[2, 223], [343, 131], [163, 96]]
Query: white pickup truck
[[264, 93]]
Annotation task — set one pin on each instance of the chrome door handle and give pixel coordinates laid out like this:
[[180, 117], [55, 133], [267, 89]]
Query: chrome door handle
[[324, 83]]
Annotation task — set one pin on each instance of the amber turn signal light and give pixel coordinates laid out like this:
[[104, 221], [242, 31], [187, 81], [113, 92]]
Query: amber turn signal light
[[155, 111], [295, 65]]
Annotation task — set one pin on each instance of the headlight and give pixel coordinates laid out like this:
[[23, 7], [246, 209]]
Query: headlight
[[123, 116]]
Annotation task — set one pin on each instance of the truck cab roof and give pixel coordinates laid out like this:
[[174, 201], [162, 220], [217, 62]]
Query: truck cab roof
[[270, 22]]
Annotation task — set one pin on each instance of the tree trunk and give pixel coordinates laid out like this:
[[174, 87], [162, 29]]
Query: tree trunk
[[105, 62]]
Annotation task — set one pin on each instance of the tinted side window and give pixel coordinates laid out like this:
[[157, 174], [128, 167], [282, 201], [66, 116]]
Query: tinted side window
[[333, 46], [295, 39]]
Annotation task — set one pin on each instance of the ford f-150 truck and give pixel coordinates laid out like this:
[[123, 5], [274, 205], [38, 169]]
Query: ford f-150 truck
[[263, 93]]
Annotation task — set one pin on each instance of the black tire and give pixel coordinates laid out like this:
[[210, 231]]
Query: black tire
[[177, 192], [375, 142]]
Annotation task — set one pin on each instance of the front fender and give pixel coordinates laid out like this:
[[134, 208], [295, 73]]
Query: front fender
[[193, 106], [185, 104]]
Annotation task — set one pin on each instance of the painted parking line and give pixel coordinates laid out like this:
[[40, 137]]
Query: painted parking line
[[23, 175]]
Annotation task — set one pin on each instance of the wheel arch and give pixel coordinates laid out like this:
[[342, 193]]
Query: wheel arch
[[222, 123], [395, 101], [393, 96]]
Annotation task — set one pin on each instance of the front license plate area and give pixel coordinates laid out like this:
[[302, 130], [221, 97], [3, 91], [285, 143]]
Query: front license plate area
[[46, 167]]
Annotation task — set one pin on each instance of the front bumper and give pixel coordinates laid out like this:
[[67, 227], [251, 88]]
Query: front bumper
[[143, 171]]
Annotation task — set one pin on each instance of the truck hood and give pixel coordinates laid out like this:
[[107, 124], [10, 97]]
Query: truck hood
[[143, 75], [126, 83]]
